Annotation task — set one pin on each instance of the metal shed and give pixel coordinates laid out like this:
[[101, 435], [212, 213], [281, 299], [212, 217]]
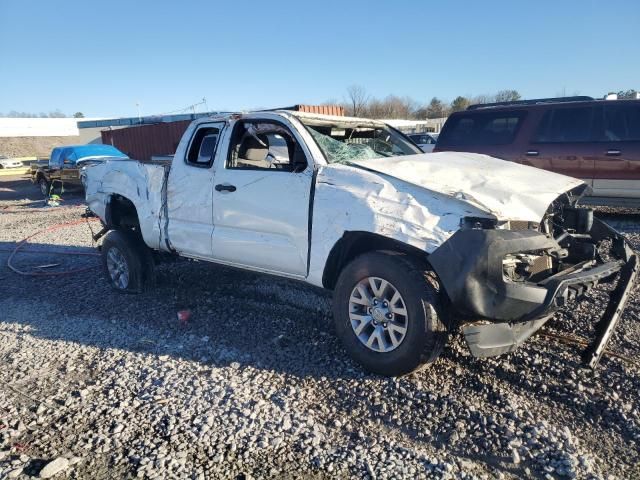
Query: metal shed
[[145, 141]]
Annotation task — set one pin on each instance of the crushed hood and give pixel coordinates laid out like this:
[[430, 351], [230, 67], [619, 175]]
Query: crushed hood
[[507, 190]]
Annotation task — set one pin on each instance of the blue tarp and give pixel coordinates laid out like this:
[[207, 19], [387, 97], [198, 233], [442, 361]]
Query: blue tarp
[[75, 153]]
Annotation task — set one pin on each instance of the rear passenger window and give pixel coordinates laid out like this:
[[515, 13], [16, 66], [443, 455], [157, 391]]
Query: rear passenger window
[[565, 125], [203, 147], [495, 128], [621, 123]]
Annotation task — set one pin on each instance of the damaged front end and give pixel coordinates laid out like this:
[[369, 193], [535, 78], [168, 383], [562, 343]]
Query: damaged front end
[[510, 278]]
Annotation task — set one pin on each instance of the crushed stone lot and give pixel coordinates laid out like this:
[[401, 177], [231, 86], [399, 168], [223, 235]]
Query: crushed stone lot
[[99, 385]]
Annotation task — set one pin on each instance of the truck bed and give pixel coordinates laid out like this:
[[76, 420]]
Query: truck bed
[[142, 182]]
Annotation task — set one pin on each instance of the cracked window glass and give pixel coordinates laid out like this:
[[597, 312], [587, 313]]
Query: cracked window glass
[[344, 143]]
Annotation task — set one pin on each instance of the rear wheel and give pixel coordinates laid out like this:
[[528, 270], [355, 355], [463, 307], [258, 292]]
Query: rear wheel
[[388, 313], [127, 262], [44, 186]]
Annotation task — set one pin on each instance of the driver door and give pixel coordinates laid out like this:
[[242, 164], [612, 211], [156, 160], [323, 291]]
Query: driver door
[[261, 200]]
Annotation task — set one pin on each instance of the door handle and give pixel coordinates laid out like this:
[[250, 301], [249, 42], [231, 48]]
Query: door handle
[[532, 153], [613, 153], [225, 188]]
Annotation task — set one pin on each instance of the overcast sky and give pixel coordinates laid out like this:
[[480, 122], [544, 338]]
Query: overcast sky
[[101, 57]]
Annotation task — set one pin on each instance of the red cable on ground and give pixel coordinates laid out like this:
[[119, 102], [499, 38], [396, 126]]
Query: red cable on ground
[[53, 228], [56, 252], [42, 209]]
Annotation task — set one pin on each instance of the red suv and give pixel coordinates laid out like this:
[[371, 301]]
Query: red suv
[[595, 140]]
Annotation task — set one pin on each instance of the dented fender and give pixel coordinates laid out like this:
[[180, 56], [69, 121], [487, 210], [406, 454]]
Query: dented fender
[[138, 182], [350, 199]]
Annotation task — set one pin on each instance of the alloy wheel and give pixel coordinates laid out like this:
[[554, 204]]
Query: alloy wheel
[[378, 314], [118, 268]]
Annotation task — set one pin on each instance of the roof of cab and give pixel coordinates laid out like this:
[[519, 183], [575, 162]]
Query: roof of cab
[[318, 117], [330, 118]]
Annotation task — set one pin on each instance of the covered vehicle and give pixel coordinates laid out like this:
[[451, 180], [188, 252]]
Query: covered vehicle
[[411, 244], [65, 165]]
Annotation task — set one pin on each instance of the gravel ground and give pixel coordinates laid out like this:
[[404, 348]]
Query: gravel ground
[[94, 384]]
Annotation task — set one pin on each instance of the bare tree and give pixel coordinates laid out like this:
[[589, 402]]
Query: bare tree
[[360, 104], [357, 99], [484, 98], [507, 96], [15, 114], [57, 113]]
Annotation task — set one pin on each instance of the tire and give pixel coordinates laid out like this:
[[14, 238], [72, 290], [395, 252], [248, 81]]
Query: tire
[[44, 186], [127, 262], [425, 325]]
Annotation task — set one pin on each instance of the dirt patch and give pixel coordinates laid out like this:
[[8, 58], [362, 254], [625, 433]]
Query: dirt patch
[[33, 146]]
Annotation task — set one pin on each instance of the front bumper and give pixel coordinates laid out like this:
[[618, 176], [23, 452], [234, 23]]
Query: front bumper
[[469, 265]]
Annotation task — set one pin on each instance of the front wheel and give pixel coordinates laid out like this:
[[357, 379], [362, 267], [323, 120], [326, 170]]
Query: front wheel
[[127, 262], [388, 313]]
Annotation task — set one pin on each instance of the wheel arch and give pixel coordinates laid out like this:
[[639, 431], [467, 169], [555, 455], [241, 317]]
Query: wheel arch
[[355, 243], [121, 212]]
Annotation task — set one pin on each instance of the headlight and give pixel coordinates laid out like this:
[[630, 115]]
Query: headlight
[[526, 267], [479, 223]]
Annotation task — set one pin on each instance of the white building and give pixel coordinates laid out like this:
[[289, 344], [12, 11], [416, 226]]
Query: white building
[[39, 127]]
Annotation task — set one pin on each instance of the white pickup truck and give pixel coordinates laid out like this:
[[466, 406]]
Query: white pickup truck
[[412, 244]]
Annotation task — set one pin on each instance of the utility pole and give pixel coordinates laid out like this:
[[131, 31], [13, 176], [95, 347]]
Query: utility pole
[[139, 116]]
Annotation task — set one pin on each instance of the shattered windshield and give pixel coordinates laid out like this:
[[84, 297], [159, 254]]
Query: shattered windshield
[[344, 143]]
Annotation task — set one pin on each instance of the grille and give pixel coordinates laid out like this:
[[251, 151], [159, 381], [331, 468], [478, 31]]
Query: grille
[[522, 225]]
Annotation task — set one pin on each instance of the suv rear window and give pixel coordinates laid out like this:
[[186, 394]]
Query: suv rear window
[[621, 123], [565, 125], [494, 128]]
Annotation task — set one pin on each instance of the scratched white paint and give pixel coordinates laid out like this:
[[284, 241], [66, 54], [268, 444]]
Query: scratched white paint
[[139, 182], [348, 198], [505, 189]]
